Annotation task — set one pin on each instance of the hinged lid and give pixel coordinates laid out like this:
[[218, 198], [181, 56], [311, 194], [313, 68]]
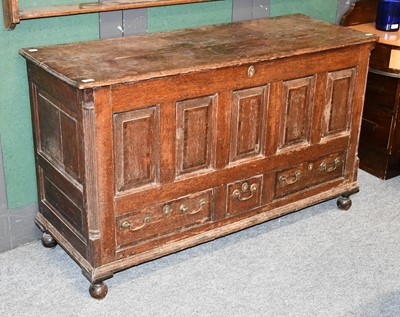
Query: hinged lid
[[129, 59]]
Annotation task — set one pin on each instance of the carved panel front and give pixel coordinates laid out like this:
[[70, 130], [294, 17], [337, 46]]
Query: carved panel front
[[194, 135], [136, 146], [248, 118], [339, 96], [296, 111]]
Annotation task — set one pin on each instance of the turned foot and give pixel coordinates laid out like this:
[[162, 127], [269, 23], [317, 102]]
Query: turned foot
[[98, 290], [48, 241], [344, 202]]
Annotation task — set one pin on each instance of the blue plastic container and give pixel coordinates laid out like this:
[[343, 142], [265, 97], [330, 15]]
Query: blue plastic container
[[388, 15]]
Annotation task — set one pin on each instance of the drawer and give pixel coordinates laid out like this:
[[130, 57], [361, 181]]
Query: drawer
[[375, 127], [309, 174], [244, 195], [381, 91], [159, 220]]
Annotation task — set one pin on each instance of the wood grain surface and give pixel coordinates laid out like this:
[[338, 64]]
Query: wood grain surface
[[105, 62]]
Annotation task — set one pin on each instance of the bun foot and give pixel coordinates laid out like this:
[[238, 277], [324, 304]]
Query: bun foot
[[48, 241], [98, 290], [344, 202]]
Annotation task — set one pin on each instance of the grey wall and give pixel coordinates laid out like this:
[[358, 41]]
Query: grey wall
[[5, 239], [16, 225], [123, 23], [343, 6], [250, 9], [130, 22]]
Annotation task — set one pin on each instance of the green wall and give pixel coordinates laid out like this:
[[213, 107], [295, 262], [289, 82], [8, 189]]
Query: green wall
[[15, 126], [15, 122], [189, 15], [319, 9]]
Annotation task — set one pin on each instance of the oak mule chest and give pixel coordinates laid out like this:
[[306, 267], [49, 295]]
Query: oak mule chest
[[151, 144]]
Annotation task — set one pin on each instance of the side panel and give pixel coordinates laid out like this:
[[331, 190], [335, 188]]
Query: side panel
[[58, 136]]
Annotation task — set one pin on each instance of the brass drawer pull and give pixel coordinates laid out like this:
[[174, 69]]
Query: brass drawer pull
[[167, 210], [324, 167], [292, 180], [184, 209], [127, 225], [245, 188]]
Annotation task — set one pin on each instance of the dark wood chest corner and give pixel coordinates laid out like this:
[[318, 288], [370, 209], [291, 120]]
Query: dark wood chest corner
[[148, 145], [360, 11], [379, 148]]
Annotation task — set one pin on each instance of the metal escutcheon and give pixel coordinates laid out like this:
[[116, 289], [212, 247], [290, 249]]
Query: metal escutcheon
[[251, 71], [167, 210]]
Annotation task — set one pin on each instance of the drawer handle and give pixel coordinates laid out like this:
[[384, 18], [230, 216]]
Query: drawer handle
[[324, 167], [292, 180], [237, 193], [184, 209], [167, 210], [127, 225]]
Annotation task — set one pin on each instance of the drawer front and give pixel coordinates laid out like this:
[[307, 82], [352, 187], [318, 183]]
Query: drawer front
[[381, 91], [162, 219], [309, 174], [376, 126], [244, 195]]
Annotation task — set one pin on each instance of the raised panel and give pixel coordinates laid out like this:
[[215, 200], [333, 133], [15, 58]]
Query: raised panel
[[248, 118], [64, 206], [296, 111], [50, 129], [137, 143], [70, 144], [339, 96], [59, 135], [194, 135]]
